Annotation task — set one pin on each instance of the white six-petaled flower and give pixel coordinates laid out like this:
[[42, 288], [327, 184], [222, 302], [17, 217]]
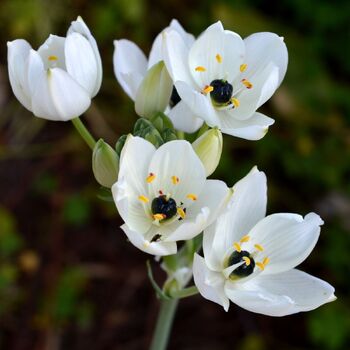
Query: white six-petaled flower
[[163, 195], [57, 81], [250, 259], [224, 79]]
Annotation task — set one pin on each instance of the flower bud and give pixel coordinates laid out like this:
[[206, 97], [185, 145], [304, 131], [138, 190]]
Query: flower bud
[[120, 144], [151, 134], [161, 122], [105, 164], [169, 135], [209, 148], [154, 92]]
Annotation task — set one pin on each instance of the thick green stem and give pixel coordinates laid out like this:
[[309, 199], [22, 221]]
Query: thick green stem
[[165, 320], [84, 132]]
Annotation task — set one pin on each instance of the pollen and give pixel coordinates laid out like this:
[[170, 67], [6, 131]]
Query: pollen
[[243, 67], [237, 246], [260, 265], [247, 83], [207, 89], [246, 260], [150, 178], [175, 180], [245, 239], [52, 58], [200, 69], [235, 102], [266, 261], [181, 213], [159, 216], [258, 247], [143, 199], [192, 196], [146, 244], [218, 58]]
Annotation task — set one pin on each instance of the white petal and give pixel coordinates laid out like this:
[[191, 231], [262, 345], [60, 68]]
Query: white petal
[[265, 48], [177, 158], [246, 207], [197, 103], [175, 56], [155, 248], [130, 66], [212, 42], [55, 95], [80, 27], [81, 61], [282, 294], [287, 239], [18, 52], [254, 128], [209, 283], [52, 52], [184, 119], [187, 37]]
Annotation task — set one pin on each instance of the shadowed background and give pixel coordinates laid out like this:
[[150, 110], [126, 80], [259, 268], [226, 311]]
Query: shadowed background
[[68, 277]]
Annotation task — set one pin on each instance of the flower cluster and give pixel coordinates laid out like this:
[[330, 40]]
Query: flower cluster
[[208, 85]]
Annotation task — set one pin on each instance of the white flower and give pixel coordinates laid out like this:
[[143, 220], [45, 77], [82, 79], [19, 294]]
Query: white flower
[[57, 81], [163, 195], [131, 67], [224, 79], [250, 259]]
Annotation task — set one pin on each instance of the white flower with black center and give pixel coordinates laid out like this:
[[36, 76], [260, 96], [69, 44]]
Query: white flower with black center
[[250, 259], [224, 79], [163, 195]]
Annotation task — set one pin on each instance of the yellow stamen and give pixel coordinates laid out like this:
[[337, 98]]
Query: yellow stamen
[[159, 217], [260, 265], [243, 67], [150, 178], [200, 69], [143, 199], [181, 212], [52, 58], [247, 260], [235, 102], [245, 239], [175, 180], [266, 261], [247, 83], [218, 58], [237, 246], [146, 244], [192, 196], [208, 89], [258, 247]]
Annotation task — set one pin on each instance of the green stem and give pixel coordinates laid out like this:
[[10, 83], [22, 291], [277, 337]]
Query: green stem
[[84, 132], [164, 323], [185, 293]]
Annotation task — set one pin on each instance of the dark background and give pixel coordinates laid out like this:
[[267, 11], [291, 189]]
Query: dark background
[[68, 277]]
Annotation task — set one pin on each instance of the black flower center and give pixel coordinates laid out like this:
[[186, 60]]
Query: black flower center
[[174, 98], [165, 206], [245, 269], [222, 91]]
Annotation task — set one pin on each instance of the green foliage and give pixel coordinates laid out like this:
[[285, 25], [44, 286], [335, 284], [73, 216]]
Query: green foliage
[[76, 210]]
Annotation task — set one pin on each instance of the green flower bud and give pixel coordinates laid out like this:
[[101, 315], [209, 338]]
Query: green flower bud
[[169, 135], [154, 92], [209, 148], [105, 164], [161, 122], [141, 124], [120, 144]]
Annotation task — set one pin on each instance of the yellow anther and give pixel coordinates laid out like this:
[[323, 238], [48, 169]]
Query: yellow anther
[[208, 89], [192, 196], [245, 239], [247, 83], [247, 260], [218, 58], [258, 247], [143, 199], [200, 69], [260, 265], [181, 212], [243, 67], [146, 244], [235, 102], [52, 58], [150, 178], [175, 180], [159, 216], [237, 246], [266, 261]]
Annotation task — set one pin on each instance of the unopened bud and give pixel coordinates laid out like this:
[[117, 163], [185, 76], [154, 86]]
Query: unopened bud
[[161, 122]]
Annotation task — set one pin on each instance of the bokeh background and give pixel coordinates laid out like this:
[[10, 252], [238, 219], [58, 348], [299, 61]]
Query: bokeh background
[[68, 277]]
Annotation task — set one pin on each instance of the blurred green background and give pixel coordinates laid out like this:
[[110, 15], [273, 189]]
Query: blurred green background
[[68, 277]]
